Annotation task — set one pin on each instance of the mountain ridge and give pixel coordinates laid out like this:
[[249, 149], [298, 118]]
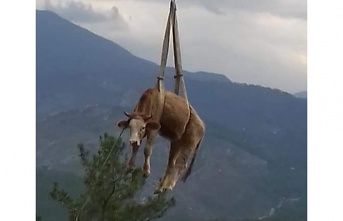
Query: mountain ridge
[[301, 94]]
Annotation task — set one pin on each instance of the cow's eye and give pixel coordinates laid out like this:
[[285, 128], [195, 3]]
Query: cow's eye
[[143, 128]]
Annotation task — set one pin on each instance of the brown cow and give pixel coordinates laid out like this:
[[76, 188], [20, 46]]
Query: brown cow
[[174, 120]]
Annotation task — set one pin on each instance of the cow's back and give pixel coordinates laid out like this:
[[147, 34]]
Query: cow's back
[[150, 102], [175, 116]]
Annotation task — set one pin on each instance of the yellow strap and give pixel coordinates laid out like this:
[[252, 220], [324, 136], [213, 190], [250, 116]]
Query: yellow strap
[[179, 82], [165, 47]]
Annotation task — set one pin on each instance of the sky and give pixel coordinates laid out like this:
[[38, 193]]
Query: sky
[[262, 42]]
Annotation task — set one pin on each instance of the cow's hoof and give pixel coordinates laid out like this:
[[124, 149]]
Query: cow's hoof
[[165, 190], [129, 166], [157, 192], [145, 172]]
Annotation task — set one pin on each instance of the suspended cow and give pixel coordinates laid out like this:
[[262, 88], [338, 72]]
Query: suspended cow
[[166, 113], [174, 120]]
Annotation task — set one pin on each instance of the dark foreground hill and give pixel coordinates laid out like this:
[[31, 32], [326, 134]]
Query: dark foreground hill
[[254, 153]]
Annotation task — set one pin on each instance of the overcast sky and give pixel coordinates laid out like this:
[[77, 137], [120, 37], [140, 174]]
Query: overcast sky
[[261, 42]]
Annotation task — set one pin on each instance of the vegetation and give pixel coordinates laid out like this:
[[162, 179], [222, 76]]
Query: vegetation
[[110, 188]]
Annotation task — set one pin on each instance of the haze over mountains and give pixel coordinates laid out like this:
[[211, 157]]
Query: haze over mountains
[[301, 94], [255, 149]]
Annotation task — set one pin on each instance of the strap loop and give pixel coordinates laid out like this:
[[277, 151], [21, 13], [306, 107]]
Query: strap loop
[[177, 76]]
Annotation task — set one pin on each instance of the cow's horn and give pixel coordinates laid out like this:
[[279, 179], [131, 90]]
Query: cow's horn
[[127, 114]]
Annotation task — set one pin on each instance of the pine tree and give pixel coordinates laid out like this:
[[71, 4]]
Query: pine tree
[[110, 188]]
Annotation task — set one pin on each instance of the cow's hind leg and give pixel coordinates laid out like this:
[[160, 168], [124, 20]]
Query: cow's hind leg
[[173, 171], [147, 152], [180, 152]]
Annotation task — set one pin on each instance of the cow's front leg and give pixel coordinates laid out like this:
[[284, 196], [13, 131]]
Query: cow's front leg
[[134, 150], [147, 153]]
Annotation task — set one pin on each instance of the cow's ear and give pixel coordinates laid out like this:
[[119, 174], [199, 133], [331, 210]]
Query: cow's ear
[[153, 125], [123, 124]]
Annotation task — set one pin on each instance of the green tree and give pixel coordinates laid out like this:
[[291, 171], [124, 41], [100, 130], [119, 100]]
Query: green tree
[[110, 188]]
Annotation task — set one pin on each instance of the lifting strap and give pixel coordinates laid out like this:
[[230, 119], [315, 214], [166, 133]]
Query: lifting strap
[[165, 49], [179, 82]]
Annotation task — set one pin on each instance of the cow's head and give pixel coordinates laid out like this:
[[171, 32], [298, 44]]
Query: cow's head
[[138, 124]]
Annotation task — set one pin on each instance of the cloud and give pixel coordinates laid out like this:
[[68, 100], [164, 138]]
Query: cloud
[[83, 12], [257, 48], [282, 8], [250, 43], [252, 48]]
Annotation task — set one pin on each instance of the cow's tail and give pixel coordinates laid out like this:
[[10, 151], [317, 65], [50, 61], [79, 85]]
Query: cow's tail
[[189, 169]]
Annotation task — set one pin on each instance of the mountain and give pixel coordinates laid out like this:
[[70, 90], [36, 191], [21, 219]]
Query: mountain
[[302, 94], [255, 148]]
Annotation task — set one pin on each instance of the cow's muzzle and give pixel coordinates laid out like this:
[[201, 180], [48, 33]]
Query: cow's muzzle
[[134, 143]]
